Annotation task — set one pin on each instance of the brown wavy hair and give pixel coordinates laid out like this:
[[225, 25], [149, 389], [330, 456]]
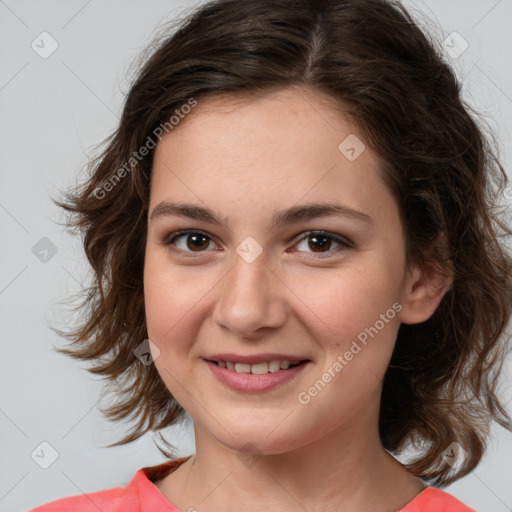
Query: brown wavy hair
[[390, 78]]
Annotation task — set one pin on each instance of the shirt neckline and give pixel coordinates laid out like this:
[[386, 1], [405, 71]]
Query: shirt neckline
[[149, 493]]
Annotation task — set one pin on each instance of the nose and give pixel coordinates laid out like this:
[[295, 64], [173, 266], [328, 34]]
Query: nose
[[251, 299]]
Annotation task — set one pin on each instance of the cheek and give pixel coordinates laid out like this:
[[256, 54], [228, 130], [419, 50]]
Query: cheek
[[169, 305], [345, 302], [353, 318], [171, 295]]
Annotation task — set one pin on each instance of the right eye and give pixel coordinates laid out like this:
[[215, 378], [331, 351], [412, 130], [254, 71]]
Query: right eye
[[191, 242]]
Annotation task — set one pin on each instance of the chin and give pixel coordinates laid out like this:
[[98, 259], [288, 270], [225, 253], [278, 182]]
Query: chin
[[259, 440]]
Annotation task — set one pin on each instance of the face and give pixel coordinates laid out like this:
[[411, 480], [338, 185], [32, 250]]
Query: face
[[248, 283]]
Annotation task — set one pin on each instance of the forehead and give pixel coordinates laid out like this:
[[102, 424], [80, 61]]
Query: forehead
[[265, 117], [278, 148]]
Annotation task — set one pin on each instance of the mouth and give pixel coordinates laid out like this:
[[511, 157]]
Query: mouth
[[260, 368], [256, 374]]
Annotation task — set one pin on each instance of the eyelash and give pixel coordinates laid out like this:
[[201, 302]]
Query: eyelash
[[344, 243]]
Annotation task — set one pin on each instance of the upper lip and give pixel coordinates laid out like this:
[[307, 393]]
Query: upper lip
[[256, 358]]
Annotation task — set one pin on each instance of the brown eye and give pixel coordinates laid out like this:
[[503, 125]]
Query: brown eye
[[196, 242], [188, 241], [321, 244]]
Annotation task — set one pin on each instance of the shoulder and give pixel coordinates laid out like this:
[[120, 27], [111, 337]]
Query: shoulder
[[432, 498], [138, 495], [109, 500]]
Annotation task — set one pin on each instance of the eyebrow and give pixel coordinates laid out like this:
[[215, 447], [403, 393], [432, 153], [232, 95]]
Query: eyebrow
[[283, 217]]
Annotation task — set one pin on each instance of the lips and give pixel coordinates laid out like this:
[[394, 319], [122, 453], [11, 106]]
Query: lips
[[249, 382]]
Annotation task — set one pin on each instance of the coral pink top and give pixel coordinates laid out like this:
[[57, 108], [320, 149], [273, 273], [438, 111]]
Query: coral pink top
[[142, 495]]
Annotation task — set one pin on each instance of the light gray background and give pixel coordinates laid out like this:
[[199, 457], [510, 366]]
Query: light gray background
[[52, 111]]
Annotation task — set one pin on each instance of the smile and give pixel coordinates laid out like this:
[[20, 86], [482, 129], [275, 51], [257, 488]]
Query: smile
[[258, 368], [256, 377]]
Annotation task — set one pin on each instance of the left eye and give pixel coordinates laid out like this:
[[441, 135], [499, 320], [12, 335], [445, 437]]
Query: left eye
[[319, 241]]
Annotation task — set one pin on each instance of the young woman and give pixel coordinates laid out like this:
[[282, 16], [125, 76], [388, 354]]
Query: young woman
[[294, 240]]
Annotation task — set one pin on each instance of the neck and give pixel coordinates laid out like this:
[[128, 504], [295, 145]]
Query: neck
[[344, 470]]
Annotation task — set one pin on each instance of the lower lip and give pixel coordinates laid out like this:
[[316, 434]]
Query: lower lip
[[250, 382]]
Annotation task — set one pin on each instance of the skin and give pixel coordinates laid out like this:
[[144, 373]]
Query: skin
[[246, 159]]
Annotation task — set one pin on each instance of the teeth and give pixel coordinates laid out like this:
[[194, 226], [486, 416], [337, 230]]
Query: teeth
[[258, 368], [274, 366], [242, 368]]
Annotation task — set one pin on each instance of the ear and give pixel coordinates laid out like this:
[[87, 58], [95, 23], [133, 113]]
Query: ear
[[424, 287]]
